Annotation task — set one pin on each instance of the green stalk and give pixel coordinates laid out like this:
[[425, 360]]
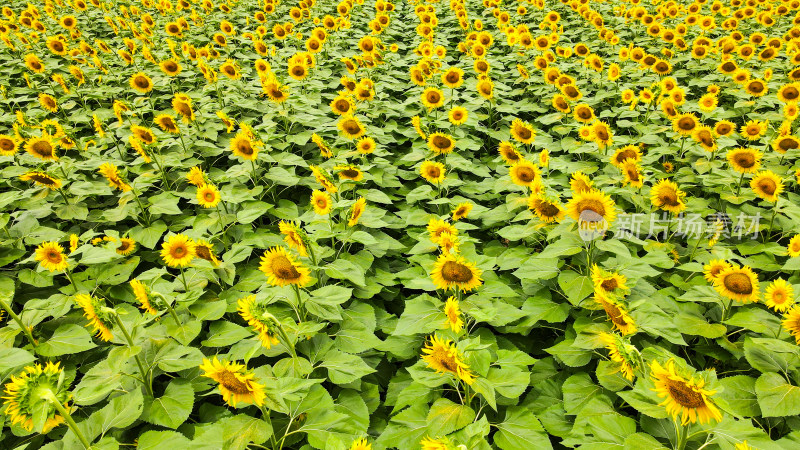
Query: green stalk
[[136, 357], [17, 319], [51, 397], [169, 307]]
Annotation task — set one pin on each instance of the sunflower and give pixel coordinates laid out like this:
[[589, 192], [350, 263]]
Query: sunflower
[[140, 292], [356, 211], [196, 176], [457, 115], [48, 102], [753, 130], [737, 283], [793, 249], [452, 272], [236, 383], [744, 160], [51, 256], [620, 352], [453, 77], [342, 105], [789, 92], [525, 173], [323, 179], [243, 146], [8, 145], [74, 240], [109, 171], [41, 147], [205, 250], [143, 134], [783, 144], [293, 236], [182, 104], [41, 179], [705, 136], [208, 195], [767, 185], [791, 322], [708, 102], [167, 123], [522, 132], [714, 267], [360, 444], [321, 202], [547, 210], [627, 152], [428, 443], [606, 282], [592, 207], [178, 250], [281, 269], [485, 88], [170, 67], [665, 195], [437, 227], [263, 323], [443, 357], [434, 172], [683, 397], [461, 211], [580, 183], [616, 313], [509, 153], [99, 317], [779, 295], [440, 143], [684, 124], [126, 246], [601, 134], [632, 174], [366, 145], [141, 82], [33, 63], [351, 127], [26, 397], [275, 91]]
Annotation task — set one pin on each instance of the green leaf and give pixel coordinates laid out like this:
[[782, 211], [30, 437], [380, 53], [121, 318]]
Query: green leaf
[[342, 269], [776, 397], [12, 358], [740, 395], [159, 440], [521, 430], [164, 203], [771, 355], [223, 333], [344, 368], [173, 408], [423, 314], [242, 429], [99, 255], [67, 339], [446, 417]]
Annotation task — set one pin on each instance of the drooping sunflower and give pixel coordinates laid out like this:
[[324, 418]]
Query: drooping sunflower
[[443, 357], [323, 179], [546, 209], [592, 206], [99, 319], [684, 397], [767, 185], [205, 250], [509, 153], [293, 236], [51, 256], [178, 250], [737, 283], [441, 143], [779, 295], [33, 63], [616, 313], [715, 267], [109, 172], [167, 123], [140, 292], [453, 313], [141, 82], [243, 146], [632, 173], [126, 246], [25, 398], [665, 195], [522, 131], [321, 202], [351, 127], [744, 160], [461, 211], [263, 323], [281, 269], [525, 173], [41, 147], [433, 171], [143, 134], [454, 272], [619, 352], [356, 211], [208, 195], [196, 176], [236, 383], [41, 179]]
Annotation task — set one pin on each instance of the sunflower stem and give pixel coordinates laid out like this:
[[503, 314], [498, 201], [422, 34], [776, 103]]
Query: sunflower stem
[[129, 339], [169, 307], [183, 279], [268, 419], [17, 319], [681, 436], [64, 196], [299, 300], [739, 188], [68, 273], [51, 397]]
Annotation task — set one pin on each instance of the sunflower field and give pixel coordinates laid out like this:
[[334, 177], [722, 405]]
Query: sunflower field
[[531, 224]]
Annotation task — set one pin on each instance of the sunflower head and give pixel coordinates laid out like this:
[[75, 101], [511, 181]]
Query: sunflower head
[[779, 295], [622, 353], [665, 195], [281, 269], [685, 397], [260, 320], [767, 185], [443, 357], [454, 272], [236, 383], [745, 160], [453, 313], [461, 211], [737, 283], [51, 256], [100, 317], [29, 394], [178, 250]]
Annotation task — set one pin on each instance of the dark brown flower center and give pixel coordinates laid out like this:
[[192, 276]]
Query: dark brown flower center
[[284, 269], [738, 283], [684, 395], [456, 272], [686, 123], [767, 186], [526, 174], [43, 148], [350, 173], [244, 147], [441, 142], [592, 205], [231, 383]]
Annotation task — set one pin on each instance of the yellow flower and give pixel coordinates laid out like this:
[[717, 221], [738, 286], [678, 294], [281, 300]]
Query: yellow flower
[[525, 173], [436, 227], [126, 246], [140, 292], [281, 269], [41, 179], [356, 211], [767, 185], [665, 195], [454, 272], [236, 383], [580, 183], [204, 250], [779, 295], [321, 202], [167, 123], [453, 77], [616, 313], [293, 236], [208, 195], [618, 352], [8, 145], [178, 250], [457, 115], [342, 105], [361, 444], [684, 124], [48, 102], [243, 146], [366, 145], [351, 127], [440, 143], [608, 282], [592, 206], [25, 396], [737, 283], [42, 147], [547, 210], [684, 397], [744, 160], [453, 313], [753, 130], [714, 267], [509, 153], [791, 322], [793, 249], [196, 176], [461, 211], [522, 131], [141, 82], [51, 256], [443, 357], [99, 318], [432, 98], [263, 323], [109, 171], [433, 171]]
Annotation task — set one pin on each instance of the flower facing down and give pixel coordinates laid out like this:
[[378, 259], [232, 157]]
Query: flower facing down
[[25, 397], [236, 383], [443, 357], [684, 397]]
